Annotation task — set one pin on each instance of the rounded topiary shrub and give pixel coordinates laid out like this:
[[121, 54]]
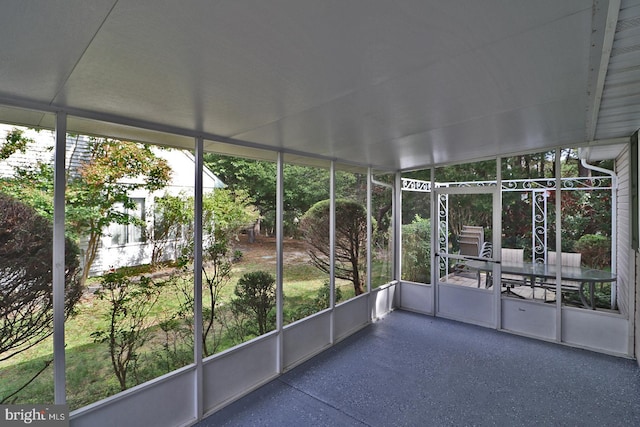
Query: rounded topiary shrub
[[26, 264]]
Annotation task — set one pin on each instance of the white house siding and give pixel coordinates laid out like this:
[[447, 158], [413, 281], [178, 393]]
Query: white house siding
[[623, 234], [182, 163]]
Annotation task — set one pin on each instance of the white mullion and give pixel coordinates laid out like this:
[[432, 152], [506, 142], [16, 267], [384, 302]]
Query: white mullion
[[280, 260], [558, 207], [197, 278], [369, 228], [59, 184], [332, 249]]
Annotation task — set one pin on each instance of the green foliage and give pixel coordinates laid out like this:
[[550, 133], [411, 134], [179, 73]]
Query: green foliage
[[303, 186], [216, 276], [26, 297], [595, 250], [255, 296], [96, 195], [529, 166], [176, 344], [95, 192], [129, 305], [468, 209], [15, 141], [26, 288], [350, 239], [256, 178], [171, 216], [319, 303], [34, 186], [478, 171], [416, 250], [226, 212], [584, 212]]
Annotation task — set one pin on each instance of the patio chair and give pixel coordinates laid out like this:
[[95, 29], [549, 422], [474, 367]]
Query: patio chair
[[469, 246], [510, 281], [471, 232], [470, 242], [569, 259], [486, 252], [473, 229]]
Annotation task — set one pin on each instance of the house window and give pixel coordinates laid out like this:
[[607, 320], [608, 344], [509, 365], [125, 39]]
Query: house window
[[122, 234]]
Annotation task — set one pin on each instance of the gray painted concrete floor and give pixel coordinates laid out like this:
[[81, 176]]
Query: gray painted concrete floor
[[415, 370]]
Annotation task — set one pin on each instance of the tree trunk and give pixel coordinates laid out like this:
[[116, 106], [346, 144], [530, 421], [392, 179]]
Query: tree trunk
[[89, 257]]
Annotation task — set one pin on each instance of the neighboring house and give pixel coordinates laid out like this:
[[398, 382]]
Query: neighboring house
[[121, 245]]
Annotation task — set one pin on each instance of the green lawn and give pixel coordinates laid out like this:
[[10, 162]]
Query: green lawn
[[89, 373]]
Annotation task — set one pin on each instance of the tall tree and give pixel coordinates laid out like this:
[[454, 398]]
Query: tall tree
[[257, 178], [466, 209], [97, 195], [350, 239], [303, 185]]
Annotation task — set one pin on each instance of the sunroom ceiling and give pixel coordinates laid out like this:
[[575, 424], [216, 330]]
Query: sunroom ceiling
[[390, 84]]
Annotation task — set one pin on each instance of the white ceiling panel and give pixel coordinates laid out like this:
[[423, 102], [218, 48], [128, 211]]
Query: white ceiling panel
[[390, 84], [42, 43]]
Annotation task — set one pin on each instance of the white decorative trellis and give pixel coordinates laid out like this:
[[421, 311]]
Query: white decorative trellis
[[443, 227], [539, 190]]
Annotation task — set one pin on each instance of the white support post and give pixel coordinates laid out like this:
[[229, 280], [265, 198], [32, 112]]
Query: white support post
[[279, 259], [497, 244], [59, 184], [369, 228], [396, 221], [614, 240], [558, 207], [434, 215], [197, 278], [332, 249]]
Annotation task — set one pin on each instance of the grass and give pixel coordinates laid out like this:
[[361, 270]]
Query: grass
[[89, 372]]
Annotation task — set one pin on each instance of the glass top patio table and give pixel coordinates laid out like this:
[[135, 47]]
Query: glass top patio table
[[583, 276]]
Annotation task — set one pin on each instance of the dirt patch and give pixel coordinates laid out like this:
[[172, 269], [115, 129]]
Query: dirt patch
[[263, 249]]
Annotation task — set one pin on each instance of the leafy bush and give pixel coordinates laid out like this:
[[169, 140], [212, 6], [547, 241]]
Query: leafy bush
[[256, 298], [26, 296], [129, 305], [416, 250], [595, 250], [319, 303]]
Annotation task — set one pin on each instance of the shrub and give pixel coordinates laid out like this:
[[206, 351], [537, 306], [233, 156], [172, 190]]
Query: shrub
[[319, 303], [256, 297], [416, 250], [26, 296], [595, 250], [129, 305]]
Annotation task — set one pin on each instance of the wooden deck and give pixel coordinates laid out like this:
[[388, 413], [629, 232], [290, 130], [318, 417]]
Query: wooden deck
[[470, 279]]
